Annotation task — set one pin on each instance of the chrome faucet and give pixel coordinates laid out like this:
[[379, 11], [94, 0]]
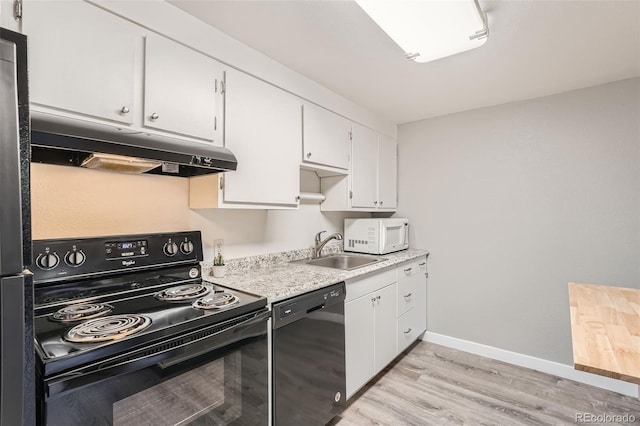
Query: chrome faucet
[[320, 243]]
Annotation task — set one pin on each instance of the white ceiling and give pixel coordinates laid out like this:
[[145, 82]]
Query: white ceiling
[[535, 48]]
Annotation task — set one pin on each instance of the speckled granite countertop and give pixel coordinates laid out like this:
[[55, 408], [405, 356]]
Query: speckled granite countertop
[[275, 278]]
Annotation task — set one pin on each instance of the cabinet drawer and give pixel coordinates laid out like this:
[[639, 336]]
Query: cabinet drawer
[[407, 294], [411, 268], [369, 284], [408, 329]]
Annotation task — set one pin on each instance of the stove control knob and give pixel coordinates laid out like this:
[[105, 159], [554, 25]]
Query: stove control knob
[[47, 261], [75, 258], [186, 247], [170, 248]]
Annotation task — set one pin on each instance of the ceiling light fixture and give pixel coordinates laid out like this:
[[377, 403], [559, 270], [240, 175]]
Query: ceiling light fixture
[[430, 29]]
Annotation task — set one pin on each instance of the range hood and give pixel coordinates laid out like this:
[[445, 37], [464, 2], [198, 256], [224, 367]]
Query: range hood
[[126, 152]]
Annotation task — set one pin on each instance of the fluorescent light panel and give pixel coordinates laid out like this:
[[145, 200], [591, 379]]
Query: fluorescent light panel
[[431, 28]]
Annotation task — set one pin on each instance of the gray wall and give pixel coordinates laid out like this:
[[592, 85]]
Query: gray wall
[[515, 201]]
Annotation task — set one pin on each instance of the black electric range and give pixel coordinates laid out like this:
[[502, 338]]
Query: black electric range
[[128, 332], [109, 301]]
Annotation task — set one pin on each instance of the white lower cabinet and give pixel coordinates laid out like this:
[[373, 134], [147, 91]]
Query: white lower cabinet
[[412, 302], [384, 314], [370, 312], [384, 301], [359, 343]]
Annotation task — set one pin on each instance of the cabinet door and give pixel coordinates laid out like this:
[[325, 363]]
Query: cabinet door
[[263, 129], [386, 326], [81, 59], [359, 342], [180, 89], [364, 164], [326, 137], [387, 173]]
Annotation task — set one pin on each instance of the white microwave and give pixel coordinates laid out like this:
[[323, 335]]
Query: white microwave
[[376, 236]]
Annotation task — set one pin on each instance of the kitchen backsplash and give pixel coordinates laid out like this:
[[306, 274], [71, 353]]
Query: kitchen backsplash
[[244, 264], [71, 202]]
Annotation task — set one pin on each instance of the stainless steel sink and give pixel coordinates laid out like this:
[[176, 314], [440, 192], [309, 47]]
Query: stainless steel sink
[[343, 261]]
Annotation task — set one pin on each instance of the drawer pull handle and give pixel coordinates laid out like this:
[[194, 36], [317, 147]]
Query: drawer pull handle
[[407, 331], [408, 270], [423, 263], [407, 296]]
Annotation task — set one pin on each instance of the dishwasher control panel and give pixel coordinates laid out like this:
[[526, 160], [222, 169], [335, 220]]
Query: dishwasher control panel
[[300, 306]]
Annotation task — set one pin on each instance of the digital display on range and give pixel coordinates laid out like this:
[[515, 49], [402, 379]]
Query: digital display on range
[[120, 249]]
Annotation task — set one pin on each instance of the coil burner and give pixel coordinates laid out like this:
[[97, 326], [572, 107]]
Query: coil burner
[[108, 328], [81, 312], [183, 293], [219, 300]]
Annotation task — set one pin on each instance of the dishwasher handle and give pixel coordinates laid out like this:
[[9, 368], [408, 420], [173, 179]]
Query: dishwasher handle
[[302, 306], [316, 308]]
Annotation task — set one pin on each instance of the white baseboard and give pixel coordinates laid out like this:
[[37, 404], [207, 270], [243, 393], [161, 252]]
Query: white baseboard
[[538, 364]]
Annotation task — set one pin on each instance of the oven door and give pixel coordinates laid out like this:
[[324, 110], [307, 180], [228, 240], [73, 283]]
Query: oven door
[[212, 376]]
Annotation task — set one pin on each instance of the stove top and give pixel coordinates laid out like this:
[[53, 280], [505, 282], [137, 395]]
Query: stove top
[[106, 329], [89, 317], [183, 293]]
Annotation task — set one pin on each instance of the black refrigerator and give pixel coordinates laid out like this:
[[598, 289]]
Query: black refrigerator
[[16, 286]]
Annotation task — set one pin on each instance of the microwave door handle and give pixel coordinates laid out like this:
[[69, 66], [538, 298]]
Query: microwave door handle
[[165, 358], [383, 238]]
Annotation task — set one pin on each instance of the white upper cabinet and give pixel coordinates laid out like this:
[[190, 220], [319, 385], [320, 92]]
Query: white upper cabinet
[[263, 127], [88, 64], [387, 173], [372, 182], [81, 59], [373, 170], [181, 89], [326, 137], [364, 169]]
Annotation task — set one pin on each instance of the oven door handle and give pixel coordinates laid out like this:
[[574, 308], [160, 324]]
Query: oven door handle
[[163, 354]]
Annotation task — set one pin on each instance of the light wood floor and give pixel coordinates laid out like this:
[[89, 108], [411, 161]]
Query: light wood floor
[[435, 385]]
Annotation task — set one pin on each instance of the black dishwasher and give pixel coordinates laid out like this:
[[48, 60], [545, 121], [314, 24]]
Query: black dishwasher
[[308, 357]]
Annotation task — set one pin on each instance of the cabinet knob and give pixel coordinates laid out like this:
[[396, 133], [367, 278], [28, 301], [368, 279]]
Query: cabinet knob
[[154, 116], [378, 297], [308, 155], [380, 202], [124, 110], [375, 203]]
